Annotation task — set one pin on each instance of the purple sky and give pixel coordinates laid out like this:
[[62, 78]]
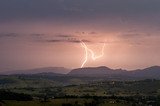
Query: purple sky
[[44, 33]]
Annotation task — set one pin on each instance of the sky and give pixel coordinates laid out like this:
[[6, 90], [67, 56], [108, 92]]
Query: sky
[[47, 33]]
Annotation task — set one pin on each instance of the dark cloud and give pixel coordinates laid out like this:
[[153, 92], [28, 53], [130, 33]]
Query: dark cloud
[[62, 40], [93, 33], [64, 35], [84, 40], [83, 33], [41, 37], [76, 40], [73, 40], [54, 41], [80, 10], [134, 33], [131, 34], [12, 34], [37, 34], [8, 35]]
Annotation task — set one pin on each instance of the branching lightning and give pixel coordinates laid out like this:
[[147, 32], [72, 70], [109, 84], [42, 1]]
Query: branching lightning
[[94, 57], [86, 53]]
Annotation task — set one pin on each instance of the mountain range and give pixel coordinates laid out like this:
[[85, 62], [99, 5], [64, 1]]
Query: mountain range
[[150, 72], [58, 70], [102, 71]]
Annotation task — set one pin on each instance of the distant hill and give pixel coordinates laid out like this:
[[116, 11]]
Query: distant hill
[[102, 71], [151, 72], [95, 71], [60, 70], [52, 76]]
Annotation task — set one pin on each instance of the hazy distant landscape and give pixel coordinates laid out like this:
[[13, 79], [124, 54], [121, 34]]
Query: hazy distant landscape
[[92, 86]]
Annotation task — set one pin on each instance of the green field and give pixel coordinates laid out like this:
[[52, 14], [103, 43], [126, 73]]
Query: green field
[[71, 91], [62, 102]]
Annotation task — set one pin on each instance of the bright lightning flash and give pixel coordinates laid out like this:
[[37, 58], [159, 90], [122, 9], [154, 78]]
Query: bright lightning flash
[[86, 53], [94, 57]]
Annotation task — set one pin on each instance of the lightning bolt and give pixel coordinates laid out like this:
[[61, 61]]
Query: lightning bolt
[[94, 57], [86, 53]]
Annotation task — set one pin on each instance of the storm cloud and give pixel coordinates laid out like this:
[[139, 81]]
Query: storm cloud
[[80, 10]]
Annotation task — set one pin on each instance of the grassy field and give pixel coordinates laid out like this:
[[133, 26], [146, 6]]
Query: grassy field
[[102, 93], [61, 102]]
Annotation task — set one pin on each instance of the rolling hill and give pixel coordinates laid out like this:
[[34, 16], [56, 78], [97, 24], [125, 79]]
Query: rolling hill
[[96, 71], [150, 72], [102, 71], [58, 70]]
